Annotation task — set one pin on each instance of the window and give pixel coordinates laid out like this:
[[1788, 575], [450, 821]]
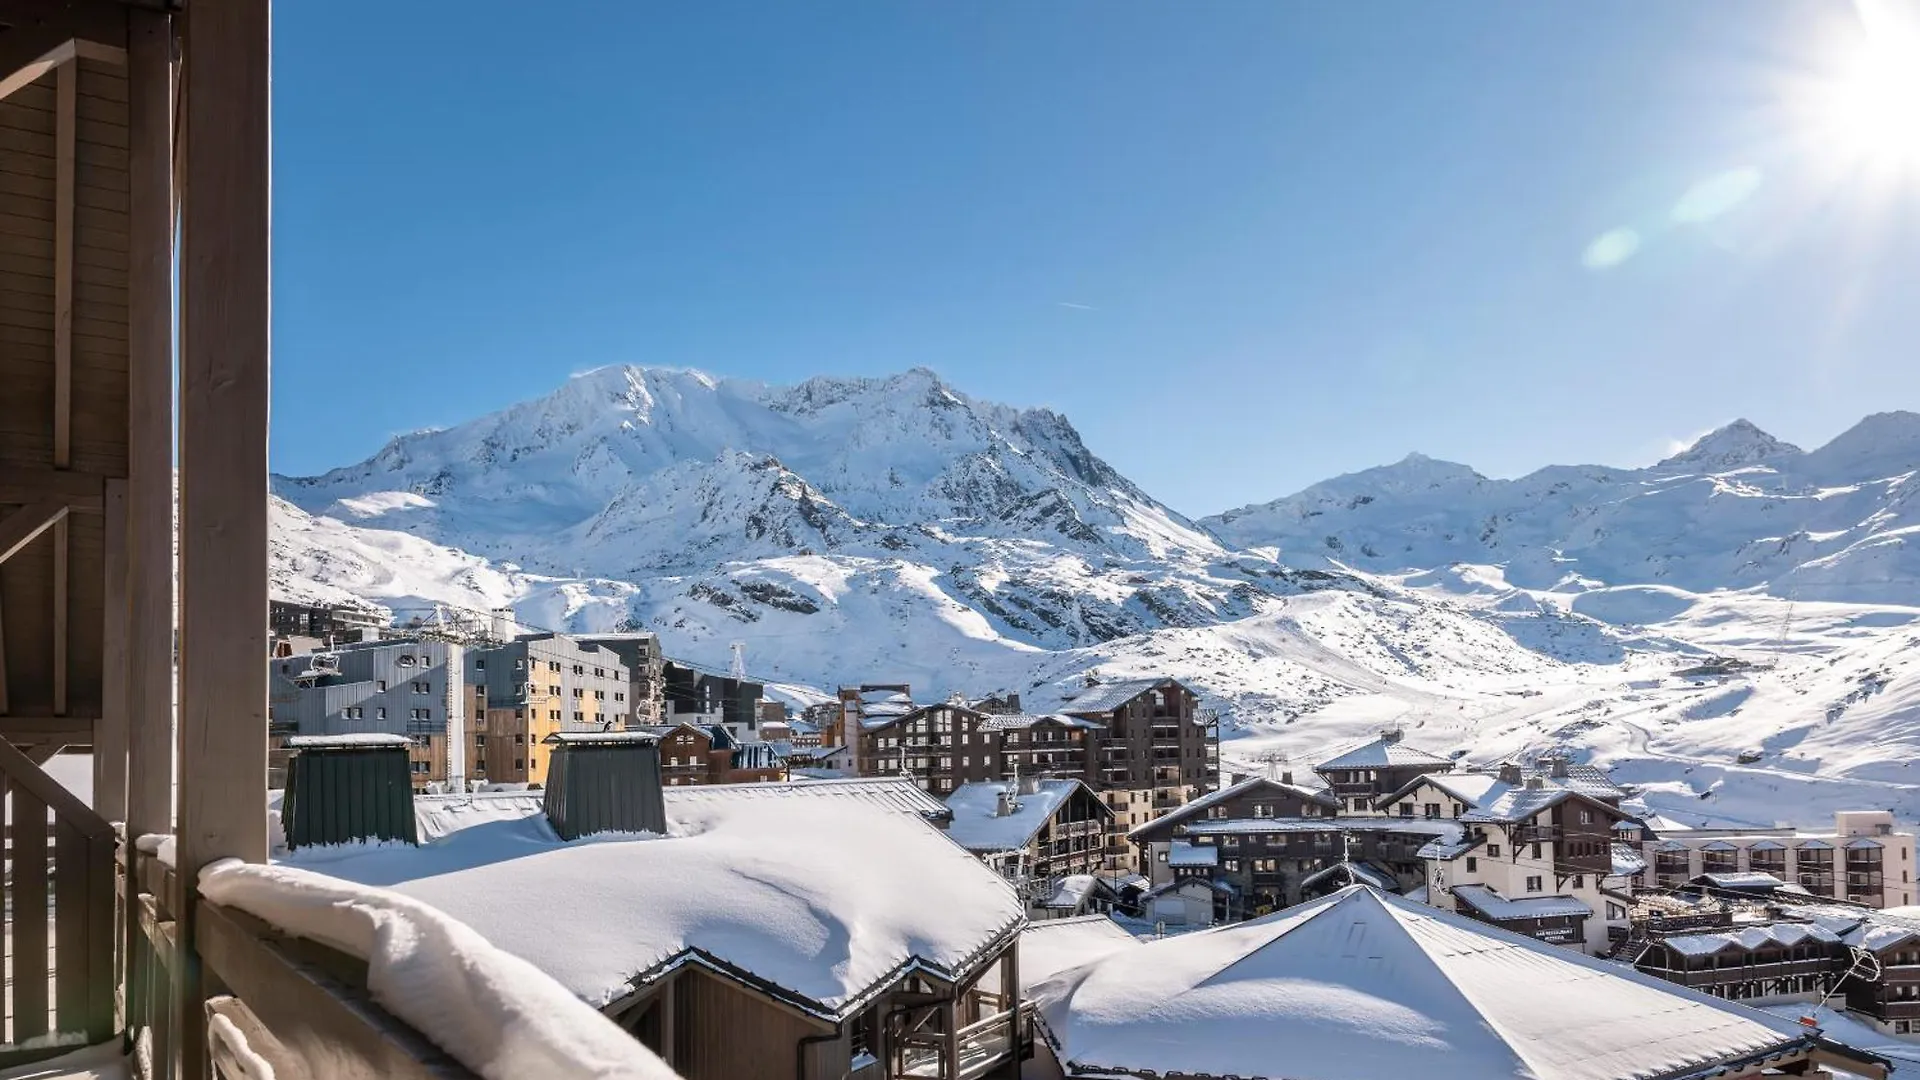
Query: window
[[1473, 864], [519, 763], [618, 696], [578, 716], [1586, 816], [351, 712], [1233, 865], [1533, 884], [673, 761], [381, 685], [422, 686], [405, 660], [1433, 809], [1262, 810], [519, 665], [553, 665], [600, 695], [1536, 851], [1579, 881], [380, 713], [553, 714], [520, 740], [553, 690], [1406, 809], [579, 669], [480, 663], [1615, 913], [1493, 851], [600, 671]]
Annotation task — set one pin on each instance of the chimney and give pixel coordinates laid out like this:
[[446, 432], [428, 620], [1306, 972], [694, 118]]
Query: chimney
[[1534, 783], [1286, 776], [1013, 702], [604, 782], [1557, 766], [1391, 735], [342, 789], [1509, 773], [1003, 803], [1030, 784]]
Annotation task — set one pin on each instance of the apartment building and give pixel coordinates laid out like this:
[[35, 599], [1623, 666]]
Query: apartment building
[[1155, 751], [1035, 832], [534, 686], [1535, 852], [1862, 860], [693, 696], [639, 653], [402, 686], [690, 754], [1362, 775]]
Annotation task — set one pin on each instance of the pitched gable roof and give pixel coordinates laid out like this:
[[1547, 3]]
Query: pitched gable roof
[[1363, 984], [1382, 753], [1252, 784], [979, 827], [1105, 699]]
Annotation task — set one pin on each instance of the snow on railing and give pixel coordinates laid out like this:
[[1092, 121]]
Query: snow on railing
[[495, 1013]]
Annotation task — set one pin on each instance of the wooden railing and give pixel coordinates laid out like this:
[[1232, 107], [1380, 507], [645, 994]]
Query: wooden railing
[[297, 1004], [59, 911]]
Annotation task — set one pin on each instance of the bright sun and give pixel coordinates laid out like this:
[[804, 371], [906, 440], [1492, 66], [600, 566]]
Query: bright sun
[[1868, 104]]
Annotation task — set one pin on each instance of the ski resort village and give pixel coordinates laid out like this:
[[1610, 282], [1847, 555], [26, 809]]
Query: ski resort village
[[627, 721]]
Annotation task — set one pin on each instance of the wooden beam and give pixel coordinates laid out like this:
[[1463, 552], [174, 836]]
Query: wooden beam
[[37, 36], [61, 602], [23, 775], [110, 731], [27, 523], [40, 725], [41, 753], [225, 306], [150, 562], [81, 492], [66, 95], [3, 662]]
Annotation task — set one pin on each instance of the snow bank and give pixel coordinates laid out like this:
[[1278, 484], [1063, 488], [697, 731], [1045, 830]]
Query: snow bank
[[499, 1015]]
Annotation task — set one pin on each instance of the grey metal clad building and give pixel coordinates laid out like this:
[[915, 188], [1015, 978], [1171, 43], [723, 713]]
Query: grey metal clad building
[[405, 686]]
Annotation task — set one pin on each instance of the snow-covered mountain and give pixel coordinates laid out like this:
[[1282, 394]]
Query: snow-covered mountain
[[898, 530], [744, 500], [1738, 509]]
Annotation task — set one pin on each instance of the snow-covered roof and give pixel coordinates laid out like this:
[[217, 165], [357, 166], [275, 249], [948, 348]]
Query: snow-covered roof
[[1182, 854], [1626, 861], [1054, 945], [1198, 807], [602, 738], [1381, 753], [1448, 848], [437, 816], [1360, 984], [1783, 934], [1875, 935], [979, 827], [750, 877], [890, 792], [1101, 699], [1488, 901], [1437, 827], [1485, 791], [1345, 873], [1744, 879], [357, 740], [1022, 721]]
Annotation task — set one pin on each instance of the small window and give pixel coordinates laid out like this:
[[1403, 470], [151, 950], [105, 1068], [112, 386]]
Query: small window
[[1493, 851], [600, 672], [1586, 816], [381, 685], [380, 713], [1579, 881], [519, 665], [480, 663], [519, 763], [405, 660], [1536, 851], [520, 740], [618, 696], [1473, 864], [1533, 884]]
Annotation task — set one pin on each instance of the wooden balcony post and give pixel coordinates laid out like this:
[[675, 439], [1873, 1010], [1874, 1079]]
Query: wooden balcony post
[[225, 176]]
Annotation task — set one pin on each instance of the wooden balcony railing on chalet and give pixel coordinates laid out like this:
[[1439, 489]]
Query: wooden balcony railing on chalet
[[59, 909], [298, 1004]]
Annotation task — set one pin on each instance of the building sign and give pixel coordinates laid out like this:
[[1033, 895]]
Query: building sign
[[1559, 935]]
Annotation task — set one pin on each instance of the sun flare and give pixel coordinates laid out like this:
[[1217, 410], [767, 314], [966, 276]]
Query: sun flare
[[1868, 103]]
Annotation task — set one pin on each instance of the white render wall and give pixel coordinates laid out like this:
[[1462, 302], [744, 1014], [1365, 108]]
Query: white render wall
[[1896, 860]]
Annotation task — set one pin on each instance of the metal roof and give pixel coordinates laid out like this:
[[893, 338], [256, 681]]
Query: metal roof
[[1100, 699]]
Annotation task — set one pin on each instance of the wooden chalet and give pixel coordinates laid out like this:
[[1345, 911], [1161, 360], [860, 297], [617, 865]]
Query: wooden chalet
[[1362, 774]]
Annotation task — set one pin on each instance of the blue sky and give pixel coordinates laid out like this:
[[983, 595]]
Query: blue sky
[[1242, 245]]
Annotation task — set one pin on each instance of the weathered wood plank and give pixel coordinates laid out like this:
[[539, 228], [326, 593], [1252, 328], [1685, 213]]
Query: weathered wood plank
[[69, 928], [61, 613], [110, 731], [67, 89], [255, 1039], [225, 304], [29, 866], [26, 778], [149, 360], [26, 524]]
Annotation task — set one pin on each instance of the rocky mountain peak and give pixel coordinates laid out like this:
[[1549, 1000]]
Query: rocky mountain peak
[[1731, 446]]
